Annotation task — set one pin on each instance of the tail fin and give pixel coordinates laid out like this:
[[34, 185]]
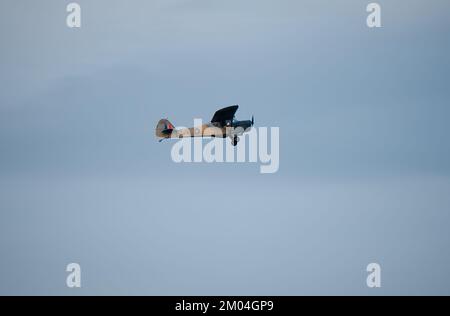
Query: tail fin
[[164, 128]]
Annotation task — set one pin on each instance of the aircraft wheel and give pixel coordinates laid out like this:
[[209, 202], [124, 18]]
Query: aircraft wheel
[[234, 141]]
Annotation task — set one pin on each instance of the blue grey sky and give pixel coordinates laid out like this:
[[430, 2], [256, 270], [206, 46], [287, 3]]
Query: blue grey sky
[[364, 159]]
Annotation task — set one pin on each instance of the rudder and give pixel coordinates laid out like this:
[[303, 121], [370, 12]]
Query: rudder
[[164, 128]]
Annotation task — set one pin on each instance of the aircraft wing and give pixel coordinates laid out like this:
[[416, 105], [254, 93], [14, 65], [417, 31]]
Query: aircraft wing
[[224, 114]]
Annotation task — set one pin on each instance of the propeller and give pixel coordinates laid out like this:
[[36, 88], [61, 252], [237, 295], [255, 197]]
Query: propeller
[[253, 121]]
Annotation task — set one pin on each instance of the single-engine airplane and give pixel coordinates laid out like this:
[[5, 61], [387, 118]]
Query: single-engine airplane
[[222, 124]]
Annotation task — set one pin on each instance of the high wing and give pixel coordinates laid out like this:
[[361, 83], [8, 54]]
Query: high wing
[[224, 114]]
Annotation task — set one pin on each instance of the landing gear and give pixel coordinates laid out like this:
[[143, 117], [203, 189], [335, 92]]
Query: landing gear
[[234, 140]]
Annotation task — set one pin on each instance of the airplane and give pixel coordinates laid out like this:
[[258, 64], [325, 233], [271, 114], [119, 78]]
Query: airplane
[[223, 124]]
